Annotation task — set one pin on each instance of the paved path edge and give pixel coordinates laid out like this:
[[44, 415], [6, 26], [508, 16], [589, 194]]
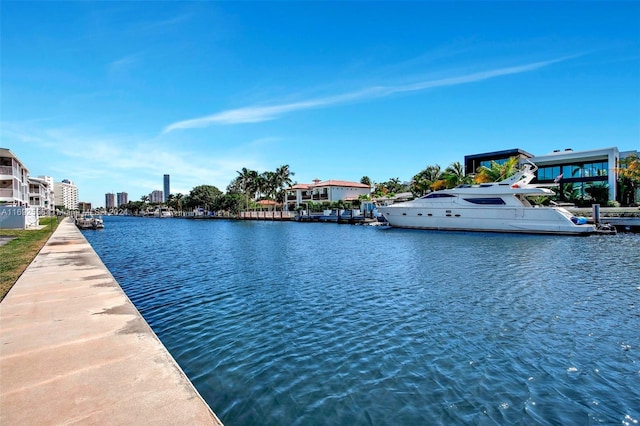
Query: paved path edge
[[74, 348]]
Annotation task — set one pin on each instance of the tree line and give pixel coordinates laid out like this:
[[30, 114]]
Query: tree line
[[434, 178], [250, 186], [244, 191]]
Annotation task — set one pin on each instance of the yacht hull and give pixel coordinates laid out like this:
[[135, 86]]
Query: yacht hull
[[515, 220], [490, 207]]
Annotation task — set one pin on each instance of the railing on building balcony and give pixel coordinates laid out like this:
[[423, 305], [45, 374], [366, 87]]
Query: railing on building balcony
[[6, 192], [267, 215], [6, 170]]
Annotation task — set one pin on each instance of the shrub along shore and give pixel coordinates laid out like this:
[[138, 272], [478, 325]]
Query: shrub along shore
[[18, 253]]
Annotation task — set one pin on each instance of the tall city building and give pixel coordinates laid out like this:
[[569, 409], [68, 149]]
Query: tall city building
[[66, 194], [109, 200], [156, 196], [167, 189], [122, 198]]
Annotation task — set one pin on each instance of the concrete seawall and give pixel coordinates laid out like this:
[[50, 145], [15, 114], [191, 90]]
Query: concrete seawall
[[74, 349]]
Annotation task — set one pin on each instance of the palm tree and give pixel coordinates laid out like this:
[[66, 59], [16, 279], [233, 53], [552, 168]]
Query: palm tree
[[497, 172], [366, 180], [283, 174], [174, 201], [249, 183], [565, 192], [395, 185], [265, 184], [422, 182], [420, 185], [178, 201], [144, 199], [598, 191], [454, 175]]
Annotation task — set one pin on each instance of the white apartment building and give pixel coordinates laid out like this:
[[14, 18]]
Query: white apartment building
[[66, 194], [156, 196], [41, 194], [51, 195], [14, 180]]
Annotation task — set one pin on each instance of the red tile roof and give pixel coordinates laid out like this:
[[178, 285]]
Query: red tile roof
[[330, 183], [267, 203], [341, 183], [300, 186]]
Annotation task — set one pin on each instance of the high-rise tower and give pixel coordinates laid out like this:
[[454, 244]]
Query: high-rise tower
[[109, 200], [166, 188]]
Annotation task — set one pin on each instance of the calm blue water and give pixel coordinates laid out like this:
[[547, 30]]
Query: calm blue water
[[297, 324]]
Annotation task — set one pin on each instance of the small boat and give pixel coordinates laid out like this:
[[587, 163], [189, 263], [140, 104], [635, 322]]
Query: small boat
[[162, 212], [491, 207], [88, 221]]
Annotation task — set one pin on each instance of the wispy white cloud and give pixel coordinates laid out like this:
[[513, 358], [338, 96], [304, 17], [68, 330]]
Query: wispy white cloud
[[255, 114], [162, 25], [122, 62], [100, 163], [124, 65]]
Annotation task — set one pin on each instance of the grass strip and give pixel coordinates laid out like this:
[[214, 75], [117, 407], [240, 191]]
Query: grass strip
[[18, 253]]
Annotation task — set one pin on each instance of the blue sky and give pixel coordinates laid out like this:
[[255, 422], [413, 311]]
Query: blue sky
[[113, 95]]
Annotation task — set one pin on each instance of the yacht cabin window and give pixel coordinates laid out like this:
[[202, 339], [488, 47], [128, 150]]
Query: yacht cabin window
[[486, 200], [438, 195]]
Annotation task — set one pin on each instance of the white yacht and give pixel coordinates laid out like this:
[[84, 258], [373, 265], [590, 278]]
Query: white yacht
[[493, 207], [162, 212]]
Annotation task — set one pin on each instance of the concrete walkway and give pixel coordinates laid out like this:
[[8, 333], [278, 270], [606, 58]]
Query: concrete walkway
[[74, 349]]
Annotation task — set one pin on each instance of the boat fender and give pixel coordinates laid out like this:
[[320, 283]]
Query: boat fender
[[515, 185], [579, 220]]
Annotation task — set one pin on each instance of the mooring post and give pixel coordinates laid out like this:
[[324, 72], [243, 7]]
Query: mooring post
[[595, 208]]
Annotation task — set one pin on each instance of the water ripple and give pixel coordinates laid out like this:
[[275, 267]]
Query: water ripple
[[284, 323]]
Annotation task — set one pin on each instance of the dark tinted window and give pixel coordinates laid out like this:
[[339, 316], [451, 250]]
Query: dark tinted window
[[485, 200], [438, 195]]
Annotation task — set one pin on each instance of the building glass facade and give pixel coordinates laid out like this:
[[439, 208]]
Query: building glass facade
[[167, 187], [475, 161], [574, 171], [577, 172]]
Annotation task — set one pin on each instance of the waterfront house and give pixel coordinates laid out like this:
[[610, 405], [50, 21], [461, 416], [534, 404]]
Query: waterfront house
[[327, 191], [578, 168]]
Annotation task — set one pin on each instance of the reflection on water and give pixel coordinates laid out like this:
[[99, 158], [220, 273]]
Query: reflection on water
[[287, 323]]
